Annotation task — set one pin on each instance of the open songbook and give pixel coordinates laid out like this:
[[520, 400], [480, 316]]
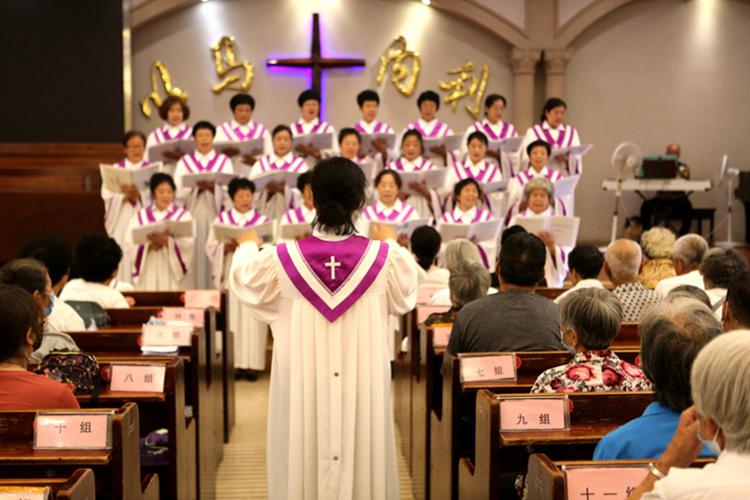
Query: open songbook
[[229, 232], [318, 141], [295, 231], [494, 187], [366, 146], [175, 228], [509, 145], [192, 180], [566, 186], [287, 177], [482, 231], [564, 230], [252, 147], [451, 143], [113, 177], [156, 152], [405, 228], [434, 178], [572, 150]]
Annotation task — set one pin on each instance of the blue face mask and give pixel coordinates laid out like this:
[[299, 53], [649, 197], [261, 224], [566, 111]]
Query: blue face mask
[[712, 445], [52, 299]]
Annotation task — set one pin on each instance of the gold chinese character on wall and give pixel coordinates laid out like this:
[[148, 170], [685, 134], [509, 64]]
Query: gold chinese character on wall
[[159, 72], [466, 84], [225, 61], [405, 67]]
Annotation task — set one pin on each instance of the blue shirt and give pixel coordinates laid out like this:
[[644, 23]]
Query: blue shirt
[[644, 437]]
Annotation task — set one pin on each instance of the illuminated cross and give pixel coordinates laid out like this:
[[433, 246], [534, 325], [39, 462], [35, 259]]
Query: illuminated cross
[[316, 61], [333, 265]]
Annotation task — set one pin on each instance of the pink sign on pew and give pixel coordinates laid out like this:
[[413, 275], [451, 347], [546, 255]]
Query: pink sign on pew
[[25, 492], [612, 482], [488, 368], [534, 414], [441, 335], [73, 431], [201, 299], [189, 314], [424, 311], [167, 335], [137, 378]]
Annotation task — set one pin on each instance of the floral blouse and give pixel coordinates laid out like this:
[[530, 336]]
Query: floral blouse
[[592, 371]]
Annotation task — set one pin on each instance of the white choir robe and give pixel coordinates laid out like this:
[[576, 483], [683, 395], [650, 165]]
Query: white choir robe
[[373, 164], [561, 137], [232, 131], [517, 183], [487, 248], [330, 420], [298, 215], [275, 206], [377, 127], [425, 208], [555, 269], [432, 129], [117, 215], [495, 132], [250, 335], [166, 268], [316, 126], [167, 133], [483, 172], [203, 206]]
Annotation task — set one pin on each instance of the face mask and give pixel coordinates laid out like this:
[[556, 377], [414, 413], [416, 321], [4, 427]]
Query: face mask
[[713, 444], [52, 299]]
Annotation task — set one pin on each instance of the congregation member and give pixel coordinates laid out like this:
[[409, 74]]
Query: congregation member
[[205, 200], [622, 265], [328, 299], [468, 282], [32, 276], [720, 381], [737, 305], [243, 128], [672, 334], [96, 262], [425, 246], [585, 263], [388, 206], [426, 201], [455, 253], [54, 252], [120, 207], [718, 267], [21, 320], [369, 103], [553, 130], [657, 244], [494, 128], [162, 263], [687, 254], [467, 195], [516, 318], [538, 153], [250, 335], [175, 112], [310, 123], [429, 125], [590, 319], [688, 291]]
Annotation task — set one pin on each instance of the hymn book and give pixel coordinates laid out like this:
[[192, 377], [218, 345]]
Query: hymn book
[[483, 231], [252, 147], [175, 228], [451, 143], [114, 177], [367, 139], [318, 141], [434, 179], [563, 229], [156, 152]]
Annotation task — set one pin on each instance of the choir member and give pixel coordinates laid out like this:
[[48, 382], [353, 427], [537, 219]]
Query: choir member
[[426, 201], [206, 200], [305, 213], [538, 154], [310, 123], [276, 199], [369, 102], [466, 195], [242, 128], [162, 264], [429, 125], [328, 299], [119, 208], [493, 126], [175, 112], [388, 207], [350, 144], [250, 335], [558, 134]]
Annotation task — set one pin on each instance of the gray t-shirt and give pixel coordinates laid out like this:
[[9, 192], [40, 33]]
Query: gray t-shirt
[[507, 321]]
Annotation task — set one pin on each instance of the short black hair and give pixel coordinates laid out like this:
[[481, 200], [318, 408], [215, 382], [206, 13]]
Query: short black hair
[[492, 99], [281, 128], [133, 133], [537, 144], [347, 131], [303, 180], [158, 179], [241, 98], [308, 95], [29, 274], [425, 245], [203, 124], [338, 187], [738, 298], [428, 95], [719, 265], [479, 135], [586, 260], [53, 251], [522, 259], [97, 258], [240, 183], [462, 184], [412, 132], [18, 312], [396, 177], [550, 104], [507, 233], [367, 95], [691, 291]]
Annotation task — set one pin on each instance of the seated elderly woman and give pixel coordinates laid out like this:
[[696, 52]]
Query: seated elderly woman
[[672, 334], [468, 281], [456, 251], [720, 382], [21, 320], [718, 267], [657, 245], [590, 319]]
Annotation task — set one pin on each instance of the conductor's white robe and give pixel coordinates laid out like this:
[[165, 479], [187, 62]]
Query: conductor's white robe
[[330, 424]]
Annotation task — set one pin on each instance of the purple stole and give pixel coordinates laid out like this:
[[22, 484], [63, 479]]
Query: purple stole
[[372, 214], [255, 131], [266, 165], [161, 134], [379, 128], [463, 172], [332, 275], [525, 176], [439, 130], [399, 165], [564, 136], [198, 166], [479, 216], [226, 217], [295, 216], [147, 213], [487, 129], [317, 129]]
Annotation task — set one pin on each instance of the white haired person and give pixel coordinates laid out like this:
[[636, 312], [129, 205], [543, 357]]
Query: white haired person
[[657, 244], [687, 254], [720, 381], [457, 251], [622, 264]]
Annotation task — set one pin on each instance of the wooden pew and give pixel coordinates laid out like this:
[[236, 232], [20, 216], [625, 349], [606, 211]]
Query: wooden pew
[[225, 341], [458, 403], [117, 471], [593, 415], [79, 486]]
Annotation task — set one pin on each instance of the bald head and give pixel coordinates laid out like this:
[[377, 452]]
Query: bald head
[[674, 150], [622, 262]]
